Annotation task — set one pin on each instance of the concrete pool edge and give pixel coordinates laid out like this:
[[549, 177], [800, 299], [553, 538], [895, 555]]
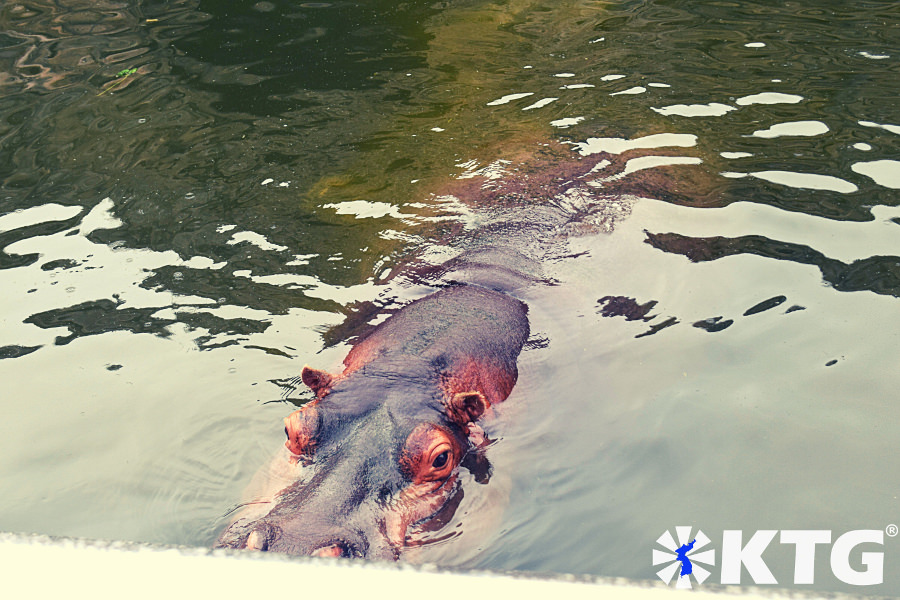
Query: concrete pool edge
[[40, 565]]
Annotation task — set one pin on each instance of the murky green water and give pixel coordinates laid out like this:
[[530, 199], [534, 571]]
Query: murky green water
[[195, 193]]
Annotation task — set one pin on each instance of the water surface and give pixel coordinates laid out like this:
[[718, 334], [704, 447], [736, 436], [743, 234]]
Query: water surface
[[193, 195]]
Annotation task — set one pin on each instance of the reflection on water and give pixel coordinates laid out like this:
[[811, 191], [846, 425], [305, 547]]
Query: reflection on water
[[196, 198]]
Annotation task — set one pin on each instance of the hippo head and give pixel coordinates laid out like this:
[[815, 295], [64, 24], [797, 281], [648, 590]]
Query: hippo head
[[376, 454]]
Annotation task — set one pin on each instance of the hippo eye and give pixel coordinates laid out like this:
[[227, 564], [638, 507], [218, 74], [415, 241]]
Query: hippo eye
[[441, 460], [430, 454]]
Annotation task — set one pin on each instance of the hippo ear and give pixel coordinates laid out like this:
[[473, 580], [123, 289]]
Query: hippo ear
[[467, 407], [318, 381]]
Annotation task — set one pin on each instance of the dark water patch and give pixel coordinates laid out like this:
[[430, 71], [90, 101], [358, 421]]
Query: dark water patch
[[478, 464], [830, 205], [152, 142], [714, 324], [707, 249], [349, 46], [765, 305], [794, 308], [62, 264], [67, 45], [227, 287], [657, 327], [101, 316], [621, 306], [210, 342], [270, 351], [217, 326], [10, 259], [879, 274], [16, 351]]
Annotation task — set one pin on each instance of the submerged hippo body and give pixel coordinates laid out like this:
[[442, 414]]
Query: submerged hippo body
[[383, 441]]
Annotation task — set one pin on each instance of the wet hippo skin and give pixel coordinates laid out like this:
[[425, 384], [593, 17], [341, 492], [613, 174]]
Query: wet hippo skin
[[382, 442]]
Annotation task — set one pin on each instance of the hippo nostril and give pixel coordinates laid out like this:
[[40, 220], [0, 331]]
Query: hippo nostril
[[257, 541], [336, 550]]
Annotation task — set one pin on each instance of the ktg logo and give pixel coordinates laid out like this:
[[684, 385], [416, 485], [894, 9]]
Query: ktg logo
[[686, 557]]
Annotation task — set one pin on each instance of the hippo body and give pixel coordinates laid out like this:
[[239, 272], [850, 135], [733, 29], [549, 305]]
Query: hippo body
[[382, 443], [378, 450]]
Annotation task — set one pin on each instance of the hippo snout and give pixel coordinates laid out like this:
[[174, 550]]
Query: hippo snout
[[266, 537]]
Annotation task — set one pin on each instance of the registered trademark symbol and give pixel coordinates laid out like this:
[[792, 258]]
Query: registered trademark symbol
[[891, 530]]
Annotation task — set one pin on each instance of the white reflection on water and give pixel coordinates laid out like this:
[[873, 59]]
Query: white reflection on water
[[874, 56], [620, 145], [95, 271], [37, 214], [808, 181], [769, 98], [649, 162], [564, 123], [638, 89], [883, 172], [541, 103], [256, 239], [713, 109], [509, 98], [794, 128], [886, 127], [717, 109], [314, 288], [846, 241], [365, 209]]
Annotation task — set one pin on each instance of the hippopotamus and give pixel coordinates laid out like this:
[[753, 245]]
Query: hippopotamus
[[379, 448], [377, 453]]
